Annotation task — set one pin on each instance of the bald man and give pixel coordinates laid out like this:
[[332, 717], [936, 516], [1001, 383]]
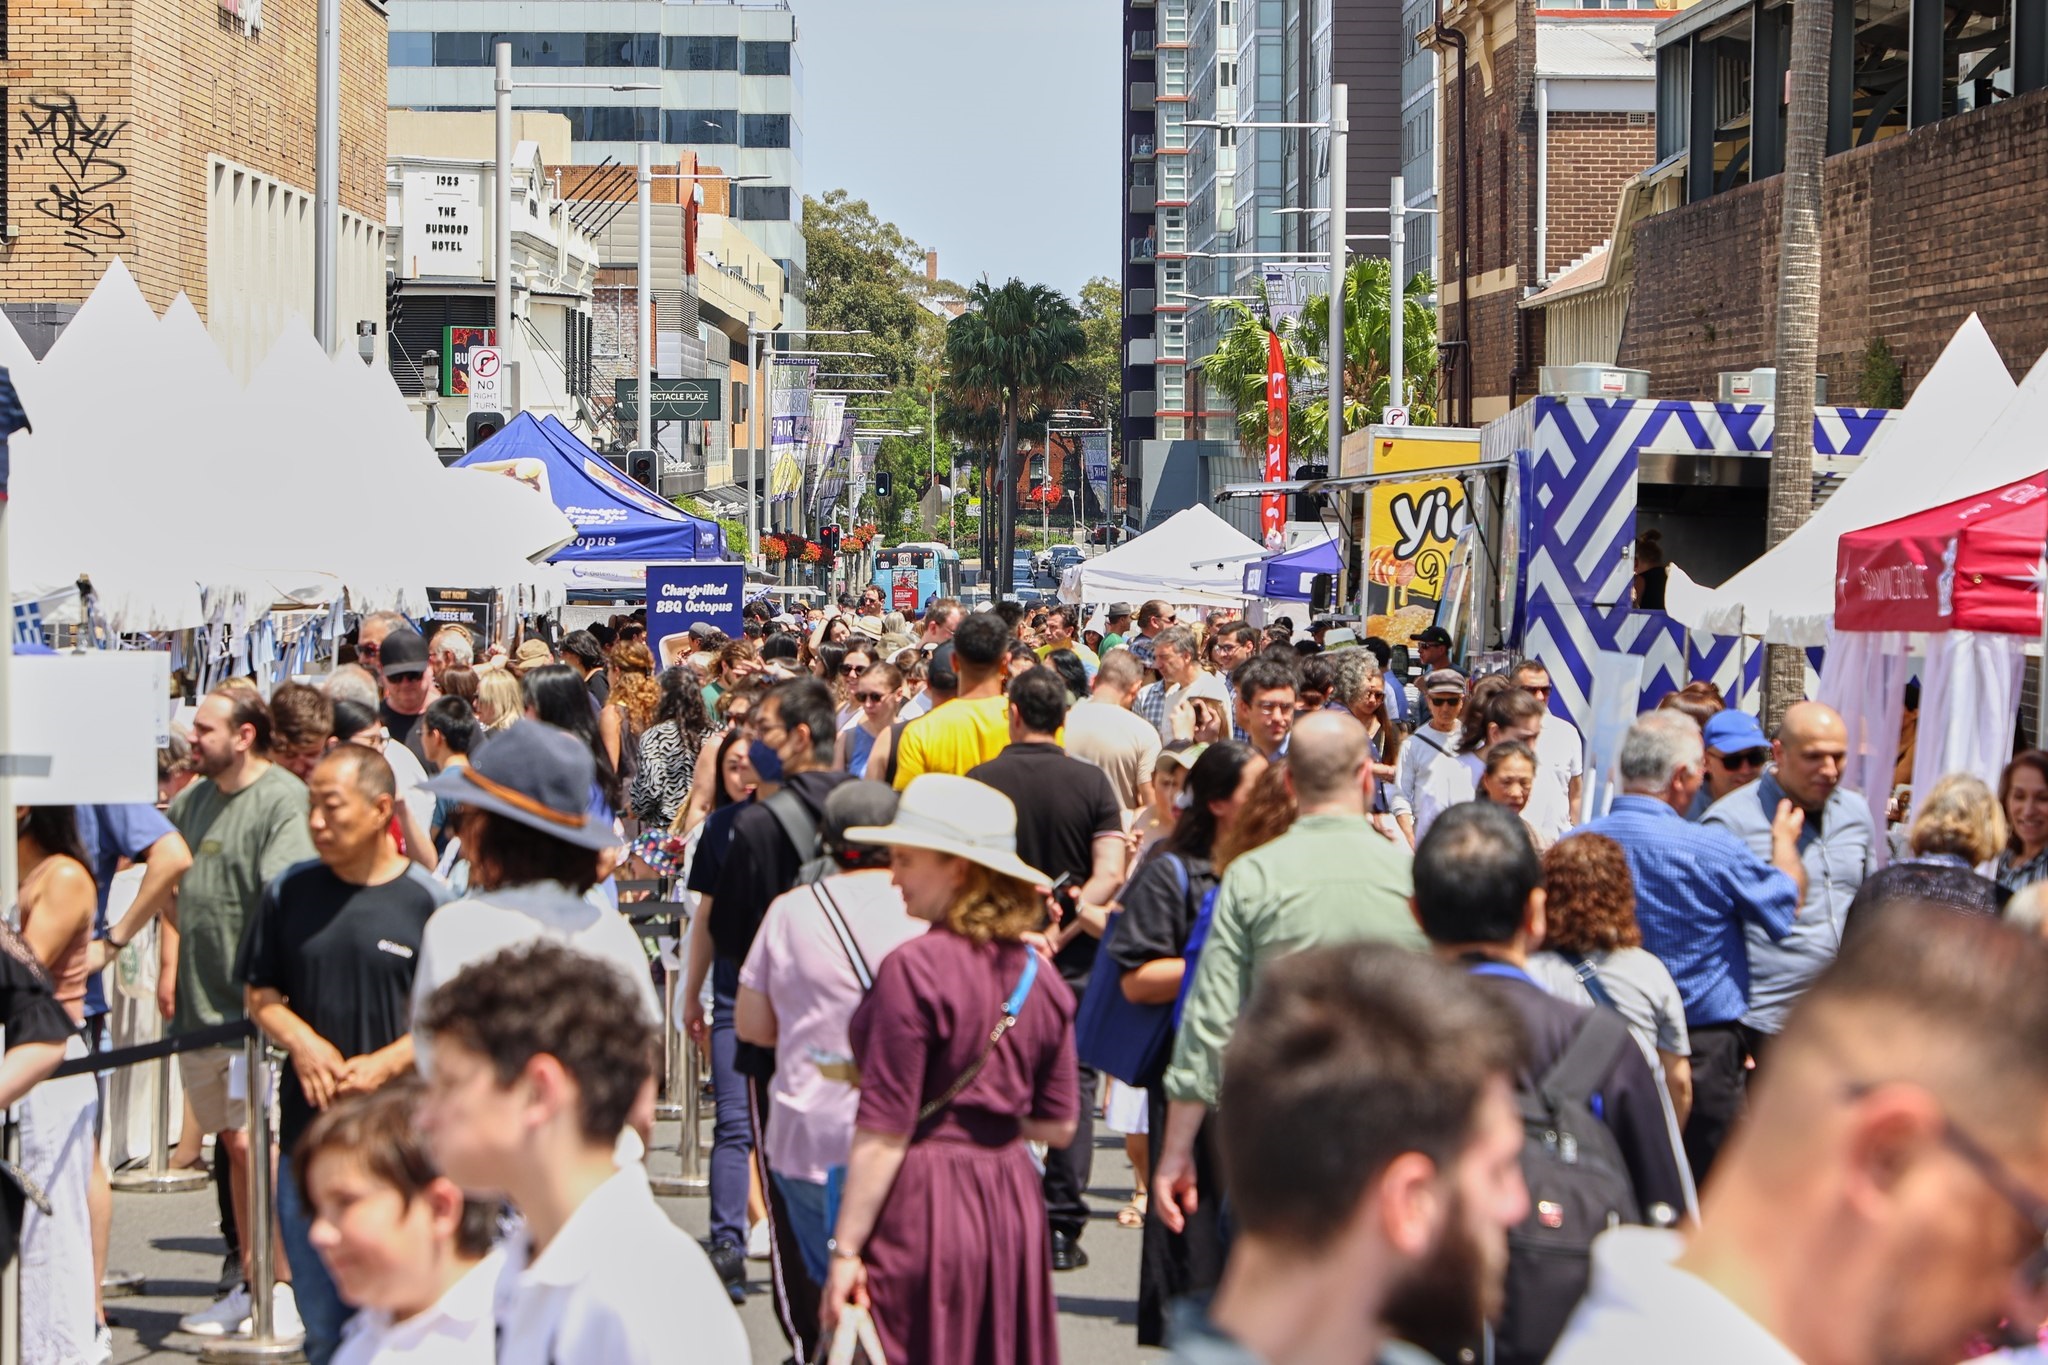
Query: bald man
[[1882, 1201], [1835, 847], [1332, 878]]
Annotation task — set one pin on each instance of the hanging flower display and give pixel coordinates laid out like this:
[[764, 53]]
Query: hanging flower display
[[813, 552], [774, 549]]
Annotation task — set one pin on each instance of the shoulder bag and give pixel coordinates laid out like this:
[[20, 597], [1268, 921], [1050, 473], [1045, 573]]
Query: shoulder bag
[[1111, 1032]]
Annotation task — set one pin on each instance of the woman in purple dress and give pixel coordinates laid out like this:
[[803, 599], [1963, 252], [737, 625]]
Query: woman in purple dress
[[965, 1050]]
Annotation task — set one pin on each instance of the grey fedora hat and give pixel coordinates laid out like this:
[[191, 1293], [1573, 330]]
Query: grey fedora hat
[[535, 774]]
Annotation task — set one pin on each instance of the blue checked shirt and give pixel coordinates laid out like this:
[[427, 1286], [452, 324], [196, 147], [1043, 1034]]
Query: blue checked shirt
[[1151, 704], [1697, 887]]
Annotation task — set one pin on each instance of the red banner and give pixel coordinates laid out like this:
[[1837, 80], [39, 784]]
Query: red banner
[[1273, 507]]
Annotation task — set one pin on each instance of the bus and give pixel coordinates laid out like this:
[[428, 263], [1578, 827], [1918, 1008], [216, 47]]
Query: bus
[[913, 573]]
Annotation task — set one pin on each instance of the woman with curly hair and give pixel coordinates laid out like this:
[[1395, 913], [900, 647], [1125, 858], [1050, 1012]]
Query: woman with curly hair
[[1593, 954], [630, 706], [668, 750], [965, 1052]]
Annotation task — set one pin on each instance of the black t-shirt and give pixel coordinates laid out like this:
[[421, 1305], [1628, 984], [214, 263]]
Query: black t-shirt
[[600, 685], [713, 846], [1062, 805], [343, 956], [1631, 1104], [1157, 912], [760, 864], [408, 731]]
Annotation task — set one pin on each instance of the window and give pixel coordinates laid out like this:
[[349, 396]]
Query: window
[[764, 130], [612, 123], [701, 54], [764, 59], [460, 49], [702, 125], [412, 49], [762, 203]]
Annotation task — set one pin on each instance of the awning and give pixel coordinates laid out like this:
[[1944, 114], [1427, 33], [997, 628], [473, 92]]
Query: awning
[[1973, 564], [727, 499], [1290, 575]]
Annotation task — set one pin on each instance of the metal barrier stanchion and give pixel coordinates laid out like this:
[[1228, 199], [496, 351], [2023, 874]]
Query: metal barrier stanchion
[[260, 1344], [685, 1080], [673, 1104], [10, 1275], [158, 1177]]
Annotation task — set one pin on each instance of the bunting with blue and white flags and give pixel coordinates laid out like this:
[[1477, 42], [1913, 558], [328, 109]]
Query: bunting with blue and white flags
[[12, 419]]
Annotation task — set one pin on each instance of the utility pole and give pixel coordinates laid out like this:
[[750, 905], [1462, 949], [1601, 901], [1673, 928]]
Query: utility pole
[[1340, 132], [1397, 296], [644, 361], [501, 207], [326, 169]]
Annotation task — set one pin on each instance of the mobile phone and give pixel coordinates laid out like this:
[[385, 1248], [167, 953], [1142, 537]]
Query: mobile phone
[[1063, 894]]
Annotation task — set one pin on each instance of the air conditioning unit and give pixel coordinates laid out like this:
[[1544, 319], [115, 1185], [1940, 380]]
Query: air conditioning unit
[[1761, 386], [1592, 381]]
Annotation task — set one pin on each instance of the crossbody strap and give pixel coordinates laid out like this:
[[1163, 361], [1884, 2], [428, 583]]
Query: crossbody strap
[[1588, 973], [1011, 1007], [844, 933]]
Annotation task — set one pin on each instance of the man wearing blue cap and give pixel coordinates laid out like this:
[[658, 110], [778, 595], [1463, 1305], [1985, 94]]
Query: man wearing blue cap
[[1736, 754]]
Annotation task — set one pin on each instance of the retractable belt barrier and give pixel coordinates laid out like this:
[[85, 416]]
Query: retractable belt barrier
[[655, 918], [213, 1035]]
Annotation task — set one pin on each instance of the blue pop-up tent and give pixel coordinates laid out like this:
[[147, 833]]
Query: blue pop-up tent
[[620, 526], [1290, 574]]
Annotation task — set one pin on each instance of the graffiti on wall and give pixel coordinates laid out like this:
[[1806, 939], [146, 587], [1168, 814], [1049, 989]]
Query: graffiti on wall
[[80, 148]]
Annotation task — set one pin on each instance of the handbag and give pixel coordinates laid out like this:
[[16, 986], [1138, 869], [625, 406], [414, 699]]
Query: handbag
[[854, 1341], [1112, 1033]]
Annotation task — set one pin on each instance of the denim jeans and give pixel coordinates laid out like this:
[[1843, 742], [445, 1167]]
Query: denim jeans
[[732, 1136], [804, 1200], [320, 1304]]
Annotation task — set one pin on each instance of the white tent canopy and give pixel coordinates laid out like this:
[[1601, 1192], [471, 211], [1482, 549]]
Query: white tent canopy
[[1961, 432], [1193, 558]]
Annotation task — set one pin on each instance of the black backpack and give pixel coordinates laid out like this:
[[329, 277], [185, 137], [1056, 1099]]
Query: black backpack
[[1579, 1186]]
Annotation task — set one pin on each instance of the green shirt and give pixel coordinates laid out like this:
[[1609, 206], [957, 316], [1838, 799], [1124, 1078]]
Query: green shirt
[[238, 844], [1329, 879], [1112, 641]]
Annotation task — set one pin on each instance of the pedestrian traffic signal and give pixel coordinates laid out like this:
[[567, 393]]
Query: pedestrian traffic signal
[[885, 484], [483, 425], [640, 466]]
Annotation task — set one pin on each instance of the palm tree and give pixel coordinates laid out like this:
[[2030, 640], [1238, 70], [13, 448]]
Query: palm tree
[[1368, 376], [1016, 348], [1798, 340]]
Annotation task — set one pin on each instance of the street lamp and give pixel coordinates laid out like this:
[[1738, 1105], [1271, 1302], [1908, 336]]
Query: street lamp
[[1398, 213], [644, 177], [1339, 128], [501, 207]]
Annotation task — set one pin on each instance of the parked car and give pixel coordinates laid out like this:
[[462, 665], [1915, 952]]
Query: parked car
[[1064, 557]]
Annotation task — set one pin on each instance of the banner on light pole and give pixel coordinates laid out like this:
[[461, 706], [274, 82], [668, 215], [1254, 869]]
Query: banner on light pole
[[1273, 507]]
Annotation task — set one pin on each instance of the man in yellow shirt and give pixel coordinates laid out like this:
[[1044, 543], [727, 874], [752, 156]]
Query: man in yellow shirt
[[975, 726]]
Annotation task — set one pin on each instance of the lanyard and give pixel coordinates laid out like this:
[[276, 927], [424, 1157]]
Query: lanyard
[[1502, 970]]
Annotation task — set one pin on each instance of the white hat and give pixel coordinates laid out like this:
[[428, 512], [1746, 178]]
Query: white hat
[[1099, 623], [959, 816]]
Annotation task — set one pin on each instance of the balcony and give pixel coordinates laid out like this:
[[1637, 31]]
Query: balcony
[[1142, 351], [1144, 42], [1142, 145], [1139, 302], [1142, 250], [1144, 94], [1140, 404], [1143, 198]]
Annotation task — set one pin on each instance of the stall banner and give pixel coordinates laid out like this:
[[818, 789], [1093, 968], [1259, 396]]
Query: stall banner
[[1410, 531], [1095, 467], [1273, 507], [681, 595], [789, 425], [476, 608]]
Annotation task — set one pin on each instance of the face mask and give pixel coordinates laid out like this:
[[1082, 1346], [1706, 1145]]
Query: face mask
[[767, 764]]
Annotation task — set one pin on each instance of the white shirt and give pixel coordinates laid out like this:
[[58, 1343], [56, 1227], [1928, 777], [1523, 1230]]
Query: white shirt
[[1560, 757], [408, 774], [486, 923], [619, 1285], [1640, 1307], [1444, 785], [915, 707], [458, 1330], [1206, 684], [1421, 751]]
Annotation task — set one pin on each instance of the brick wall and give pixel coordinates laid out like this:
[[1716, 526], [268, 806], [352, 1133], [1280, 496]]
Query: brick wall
[[119, 104], [1920, 231], [1592, 155]]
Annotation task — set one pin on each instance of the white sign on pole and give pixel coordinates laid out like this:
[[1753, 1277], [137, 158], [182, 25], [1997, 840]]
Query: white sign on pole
[[1394, 416], [486, 379]]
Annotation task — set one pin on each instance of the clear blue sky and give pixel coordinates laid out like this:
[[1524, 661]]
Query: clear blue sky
[[987, 130]]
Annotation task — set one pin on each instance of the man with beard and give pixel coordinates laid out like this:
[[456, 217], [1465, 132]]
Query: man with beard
[[1370, 1143], [1881, 1201], [1479, 897]]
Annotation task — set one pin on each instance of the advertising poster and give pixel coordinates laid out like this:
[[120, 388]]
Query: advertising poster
[[681, 595], [455, 347], [789, 426], [1410, 531], [1095, 464], [475, 608]]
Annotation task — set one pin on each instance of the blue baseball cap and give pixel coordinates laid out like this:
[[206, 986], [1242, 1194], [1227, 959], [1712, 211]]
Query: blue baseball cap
[[1733, 732]]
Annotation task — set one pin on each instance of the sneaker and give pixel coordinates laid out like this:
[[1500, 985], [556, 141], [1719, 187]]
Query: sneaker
[[757, 1241], [285, 1323], [102, 1350], [731, 1264], [229, 1316]]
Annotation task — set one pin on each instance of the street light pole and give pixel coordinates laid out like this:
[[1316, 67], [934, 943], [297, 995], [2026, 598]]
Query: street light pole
[[753, 443], [501, 207], [1340, 132], [1397, 295], [644, 361], [327, 170]]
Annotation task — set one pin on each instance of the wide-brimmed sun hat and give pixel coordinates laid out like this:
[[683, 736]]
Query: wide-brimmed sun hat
[[533, 774], [957, 816], [532, 654]]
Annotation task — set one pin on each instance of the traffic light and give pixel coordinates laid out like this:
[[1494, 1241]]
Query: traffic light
[[640, 466], [828, 536], [482, 426], [885, 483]]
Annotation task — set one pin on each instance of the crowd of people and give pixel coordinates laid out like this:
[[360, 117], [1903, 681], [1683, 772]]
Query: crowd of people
[[1411, 1059]]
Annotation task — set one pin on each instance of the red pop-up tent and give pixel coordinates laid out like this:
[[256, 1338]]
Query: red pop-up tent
[[1973, 564]]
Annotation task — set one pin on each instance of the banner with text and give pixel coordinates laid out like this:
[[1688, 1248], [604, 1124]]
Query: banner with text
[[681, 595]]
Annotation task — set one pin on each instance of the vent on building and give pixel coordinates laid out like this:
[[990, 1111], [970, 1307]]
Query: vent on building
[[1592, 381]]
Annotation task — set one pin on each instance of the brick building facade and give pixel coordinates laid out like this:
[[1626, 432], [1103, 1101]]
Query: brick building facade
[[1920, 230], [1572, 88], [178, 135]]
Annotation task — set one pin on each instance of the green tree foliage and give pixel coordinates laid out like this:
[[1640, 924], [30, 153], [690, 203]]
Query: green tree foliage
[[867, 275], [1237, 367], [1016, 349], [1882, 382], [1101, 306]]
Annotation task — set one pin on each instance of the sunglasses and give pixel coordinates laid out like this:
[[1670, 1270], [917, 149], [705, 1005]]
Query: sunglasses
[[853, 670], [1542, 691], [870, 698], [1435, 702], [1746, 758]]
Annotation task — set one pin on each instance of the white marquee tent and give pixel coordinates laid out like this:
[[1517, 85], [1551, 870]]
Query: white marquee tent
[[1193, 558]]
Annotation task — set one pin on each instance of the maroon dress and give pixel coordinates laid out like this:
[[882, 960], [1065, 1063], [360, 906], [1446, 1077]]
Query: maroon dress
[[960, 1260]]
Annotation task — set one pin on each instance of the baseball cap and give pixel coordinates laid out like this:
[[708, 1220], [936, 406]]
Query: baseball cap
[[1183, 752], [404, 654], [940, 670], [1431, 635], [1733, 732], [1444, 681]]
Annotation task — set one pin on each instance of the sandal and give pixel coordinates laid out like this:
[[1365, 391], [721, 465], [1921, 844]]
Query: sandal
[[1132, 1215]]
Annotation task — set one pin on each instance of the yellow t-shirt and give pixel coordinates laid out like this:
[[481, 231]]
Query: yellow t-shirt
[[953, 737]]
